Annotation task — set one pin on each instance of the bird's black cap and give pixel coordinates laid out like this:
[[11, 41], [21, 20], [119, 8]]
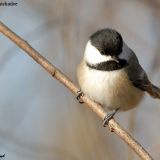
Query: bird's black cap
[[107, 41]]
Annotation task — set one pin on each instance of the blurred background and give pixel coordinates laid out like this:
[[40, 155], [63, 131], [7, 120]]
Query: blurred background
[[39, 118]]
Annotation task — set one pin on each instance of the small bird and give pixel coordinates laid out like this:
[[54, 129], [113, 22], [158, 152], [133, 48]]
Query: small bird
[[110, 74]]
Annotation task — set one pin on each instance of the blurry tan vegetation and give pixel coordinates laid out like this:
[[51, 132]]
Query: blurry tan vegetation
[[45, 121]]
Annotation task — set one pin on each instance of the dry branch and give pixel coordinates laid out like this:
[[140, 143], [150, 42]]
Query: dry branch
[[56, 73]]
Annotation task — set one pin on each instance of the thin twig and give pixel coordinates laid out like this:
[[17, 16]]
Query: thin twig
[[56, 73]]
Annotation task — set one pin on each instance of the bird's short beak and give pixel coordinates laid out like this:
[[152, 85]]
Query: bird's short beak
[[115, 59]]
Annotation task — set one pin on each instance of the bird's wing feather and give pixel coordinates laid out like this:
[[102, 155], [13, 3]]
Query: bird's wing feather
[[139, 77]]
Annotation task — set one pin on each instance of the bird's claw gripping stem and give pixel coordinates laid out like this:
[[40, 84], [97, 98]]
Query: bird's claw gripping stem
[[79, 95], [109, 116]]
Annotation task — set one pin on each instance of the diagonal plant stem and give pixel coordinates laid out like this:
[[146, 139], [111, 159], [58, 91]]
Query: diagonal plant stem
[[56, 73]]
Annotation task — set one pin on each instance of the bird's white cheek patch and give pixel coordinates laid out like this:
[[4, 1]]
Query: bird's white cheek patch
[[93, 56]]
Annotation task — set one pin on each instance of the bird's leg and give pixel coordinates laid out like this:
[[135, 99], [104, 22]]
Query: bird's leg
[[79, 95], [109, 116]]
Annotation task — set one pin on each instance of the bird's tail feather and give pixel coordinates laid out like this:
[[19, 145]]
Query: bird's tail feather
[[154, 91]]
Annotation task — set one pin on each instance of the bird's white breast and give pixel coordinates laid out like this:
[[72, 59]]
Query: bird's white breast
[[111, 89]]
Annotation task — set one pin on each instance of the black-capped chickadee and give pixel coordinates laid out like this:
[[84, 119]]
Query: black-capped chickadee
[[110, 73]]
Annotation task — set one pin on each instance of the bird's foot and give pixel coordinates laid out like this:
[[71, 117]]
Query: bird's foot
[[79, 95], [109, 116]]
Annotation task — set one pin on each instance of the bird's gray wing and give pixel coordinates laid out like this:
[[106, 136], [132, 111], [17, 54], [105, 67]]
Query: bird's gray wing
[[139, 78], [135, 72]]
